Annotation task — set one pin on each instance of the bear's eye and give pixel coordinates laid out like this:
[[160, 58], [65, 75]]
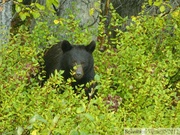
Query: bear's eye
[[74, 62], [83, 63]]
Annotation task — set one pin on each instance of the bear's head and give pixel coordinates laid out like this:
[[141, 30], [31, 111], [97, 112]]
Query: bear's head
[[77, 60]]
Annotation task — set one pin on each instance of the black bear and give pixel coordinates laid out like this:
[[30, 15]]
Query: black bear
[[76, 61]]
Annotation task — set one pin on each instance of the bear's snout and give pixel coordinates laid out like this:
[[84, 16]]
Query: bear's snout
[[78, 73]]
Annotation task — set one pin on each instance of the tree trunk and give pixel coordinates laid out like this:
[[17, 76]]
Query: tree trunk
[[5, 20]]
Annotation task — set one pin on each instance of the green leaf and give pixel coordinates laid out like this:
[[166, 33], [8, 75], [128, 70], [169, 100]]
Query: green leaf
[[55, 120], [35, 14], [91, 11], [83, 132], [55, 2], [80, 109], [74, 132], [162, 8], [19, 130], [37, 117], [97, 77], [157, 3], [17, 8], [22, 16], [150, 2], [20, 0], [39, 6], [89, 116]]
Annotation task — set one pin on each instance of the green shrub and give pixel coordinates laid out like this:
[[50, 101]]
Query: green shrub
[[138, 69]]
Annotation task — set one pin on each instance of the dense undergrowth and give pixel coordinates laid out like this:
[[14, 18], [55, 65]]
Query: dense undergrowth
[[137, 75]]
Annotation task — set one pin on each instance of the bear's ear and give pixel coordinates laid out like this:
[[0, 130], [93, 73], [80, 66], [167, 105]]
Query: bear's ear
[[66, 46], [90, 48]]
